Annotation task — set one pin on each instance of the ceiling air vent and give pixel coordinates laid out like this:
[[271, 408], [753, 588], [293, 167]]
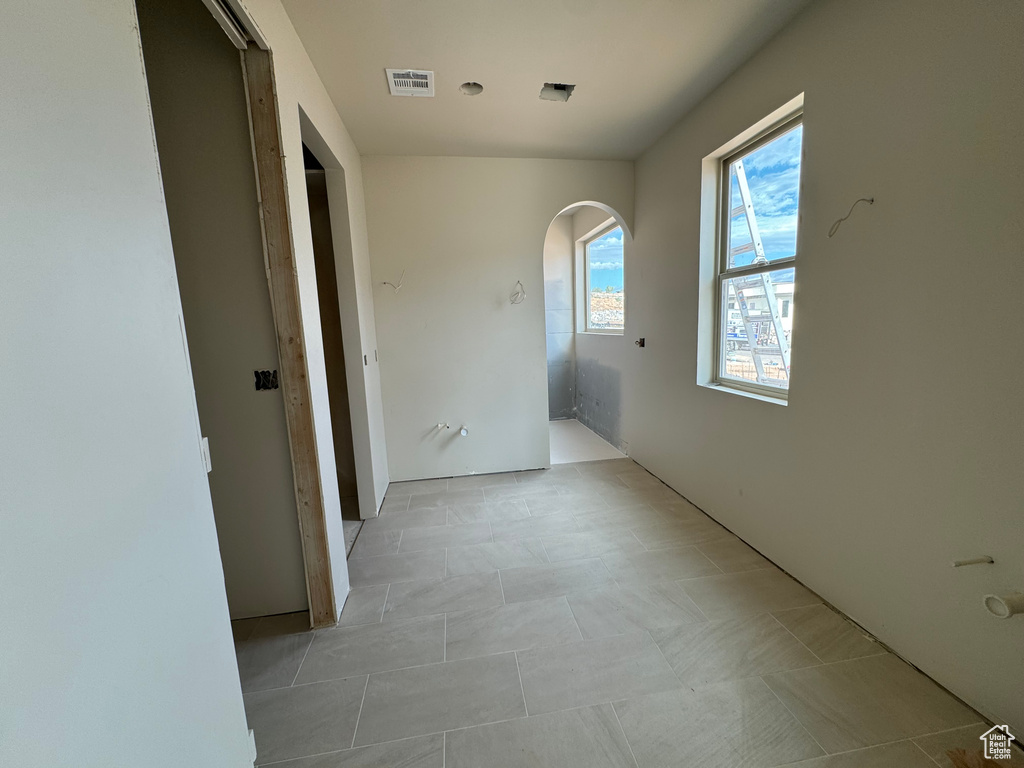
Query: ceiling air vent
[[556, 91], [410, 82]]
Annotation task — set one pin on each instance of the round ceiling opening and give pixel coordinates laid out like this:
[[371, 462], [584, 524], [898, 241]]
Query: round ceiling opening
[[471, 89]]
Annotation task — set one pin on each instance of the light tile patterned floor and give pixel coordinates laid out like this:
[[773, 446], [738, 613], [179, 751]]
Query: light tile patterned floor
[[580, 617], [571, 441]]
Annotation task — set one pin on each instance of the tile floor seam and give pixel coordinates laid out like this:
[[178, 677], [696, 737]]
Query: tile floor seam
[[446, 562], [304, 655], [805, 645], [502, 588], [908, 740], [793, 715], [448, 730], [387, 594], [925, 753], [683, 686], [403, 669], [948, 730], [360, 713], [575, 620], [432, 733], [349, 749], [444, 748], [544, 549], [522, 688], [624, 736], [444, 643]]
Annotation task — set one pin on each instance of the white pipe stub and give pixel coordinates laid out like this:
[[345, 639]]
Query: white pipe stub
[[1005, 606]]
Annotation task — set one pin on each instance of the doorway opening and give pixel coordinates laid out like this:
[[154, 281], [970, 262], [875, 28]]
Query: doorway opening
[[334, 344], [585, 251], [201, 121]]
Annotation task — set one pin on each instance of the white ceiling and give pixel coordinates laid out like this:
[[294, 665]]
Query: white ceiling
[[638, 65]]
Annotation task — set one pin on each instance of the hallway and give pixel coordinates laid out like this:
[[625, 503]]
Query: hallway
[[583, 616]]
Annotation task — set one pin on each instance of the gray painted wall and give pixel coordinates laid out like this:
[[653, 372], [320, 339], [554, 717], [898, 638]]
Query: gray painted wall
[[202, 132], [559, 318], [600, 357]]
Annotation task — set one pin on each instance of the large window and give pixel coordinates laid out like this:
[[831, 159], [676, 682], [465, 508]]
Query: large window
[[758, 215], [604, 282]]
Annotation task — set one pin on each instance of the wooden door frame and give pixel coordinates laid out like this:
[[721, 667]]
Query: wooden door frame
[[271, 190]]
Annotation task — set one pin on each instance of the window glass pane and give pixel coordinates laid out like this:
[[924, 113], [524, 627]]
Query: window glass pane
[[772, 176], [606, 299], [756, 340]]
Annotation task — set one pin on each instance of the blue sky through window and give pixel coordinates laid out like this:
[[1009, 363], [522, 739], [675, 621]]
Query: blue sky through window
[[773, 174], [605, 262]]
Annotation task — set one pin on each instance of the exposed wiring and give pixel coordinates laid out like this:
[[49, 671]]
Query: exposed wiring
[[835, 226], [518, 296], [400, 281]]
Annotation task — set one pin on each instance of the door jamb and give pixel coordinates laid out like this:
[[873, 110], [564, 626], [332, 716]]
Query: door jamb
[[264, 123]]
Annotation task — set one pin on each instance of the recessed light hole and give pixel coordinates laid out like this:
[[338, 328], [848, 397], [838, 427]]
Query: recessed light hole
[[471, 89]]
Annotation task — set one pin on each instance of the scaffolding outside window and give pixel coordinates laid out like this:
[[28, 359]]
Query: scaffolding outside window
[[604, 289], [756, 274]]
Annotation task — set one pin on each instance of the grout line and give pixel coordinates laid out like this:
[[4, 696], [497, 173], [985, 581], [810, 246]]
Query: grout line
[[361, 702], [805, 645], [791, 714], [522, 688], [444, 643], [341, 751], [459, 728], [575, 620], [675, 674], [445, 563], [925, 753], [624, 736], [547, 557], [299, 669], [444, 748], [501, 587], [386, 594]]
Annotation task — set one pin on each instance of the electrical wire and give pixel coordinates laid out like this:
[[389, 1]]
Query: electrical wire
[[838, 222], [518, 296]]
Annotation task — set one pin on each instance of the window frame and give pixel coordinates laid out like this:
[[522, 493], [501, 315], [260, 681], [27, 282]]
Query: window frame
[[722, 271], [585, 264]]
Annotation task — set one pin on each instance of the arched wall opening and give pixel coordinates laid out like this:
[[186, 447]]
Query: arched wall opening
[[583, 364]]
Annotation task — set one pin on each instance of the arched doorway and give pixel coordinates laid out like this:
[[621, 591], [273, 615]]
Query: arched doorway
[[585, 252]]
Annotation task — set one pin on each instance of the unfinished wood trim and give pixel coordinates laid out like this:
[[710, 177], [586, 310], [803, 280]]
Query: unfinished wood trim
[[264, 124]]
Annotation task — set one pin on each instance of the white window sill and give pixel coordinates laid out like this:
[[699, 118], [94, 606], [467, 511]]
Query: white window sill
[[601, 333], [745, 393]]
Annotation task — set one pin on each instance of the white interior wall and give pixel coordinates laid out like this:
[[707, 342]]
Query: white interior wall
[[202, 129], [308, 113], [115, 645], [453, 349], [900, 448]]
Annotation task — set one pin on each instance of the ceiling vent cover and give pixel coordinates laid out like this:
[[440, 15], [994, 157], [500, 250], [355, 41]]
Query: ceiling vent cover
[[410, 82]]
